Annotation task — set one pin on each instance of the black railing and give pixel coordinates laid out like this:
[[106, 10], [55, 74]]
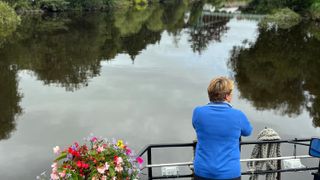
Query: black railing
[[295, 142], [149, 148]]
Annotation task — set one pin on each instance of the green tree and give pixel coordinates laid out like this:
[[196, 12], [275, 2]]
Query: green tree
[[9, 21]]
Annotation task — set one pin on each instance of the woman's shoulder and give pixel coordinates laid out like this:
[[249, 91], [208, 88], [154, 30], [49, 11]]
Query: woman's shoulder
[[237, 112]]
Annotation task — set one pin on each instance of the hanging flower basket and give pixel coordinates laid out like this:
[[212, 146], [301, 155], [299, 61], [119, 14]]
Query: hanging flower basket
[[100, 160]]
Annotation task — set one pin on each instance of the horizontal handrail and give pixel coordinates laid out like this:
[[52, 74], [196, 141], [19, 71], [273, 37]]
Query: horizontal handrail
[[279, 170], [247, 172], [169, 164], [241, 160], [290, 141], [295, 142], [277, 158]]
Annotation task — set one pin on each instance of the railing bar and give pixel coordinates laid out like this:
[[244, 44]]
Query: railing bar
[[273, 141], [294, 141], [168, 164], [178, 176], [281, 170], [277, 158], [304, 144], [165, 146], [246, 172], [241, 160], [241, 143], [171, 145]]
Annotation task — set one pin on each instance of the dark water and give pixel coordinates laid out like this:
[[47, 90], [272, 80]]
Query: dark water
[[138, 74]]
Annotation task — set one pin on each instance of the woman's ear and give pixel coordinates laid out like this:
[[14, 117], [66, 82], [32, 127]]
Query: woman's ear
[[228, 97]]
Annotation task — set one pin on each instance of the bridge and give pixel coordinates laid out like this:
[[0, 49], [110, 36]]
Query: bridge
[[212, 16]]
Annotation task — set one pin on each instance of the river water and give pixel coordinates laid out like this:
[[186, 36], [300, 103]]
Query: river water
[[137, 75]]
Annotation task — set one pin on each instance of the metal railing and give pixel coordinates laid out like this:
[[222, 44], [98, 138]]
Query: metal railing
[[302, 142]]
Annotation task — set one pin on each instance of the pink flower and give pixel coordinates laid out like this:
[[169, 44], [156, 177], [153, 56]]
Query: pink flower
[[128, 151], [63, 173], [100, 149], [54, 167], [119, 160], [104, 177], [56, 150], [101, 170], [93, 139], [54, 176], [139, 160], [76, 144], [118, 168]]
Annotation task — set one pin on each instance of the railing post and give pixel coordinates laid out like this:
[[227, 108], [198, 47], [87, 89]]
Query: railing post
[[149, 163], [279, 168], [194, 147], [316, 175], [295, 148], [194, 153]]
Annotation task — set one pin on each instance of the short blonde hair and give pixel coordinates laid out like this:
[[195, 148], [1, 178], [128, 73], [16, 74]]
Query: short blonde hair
[[219, 88]]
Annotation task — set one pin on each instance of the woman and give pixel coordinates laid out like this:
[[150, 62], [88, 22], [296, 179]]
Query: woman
[[218, 127]]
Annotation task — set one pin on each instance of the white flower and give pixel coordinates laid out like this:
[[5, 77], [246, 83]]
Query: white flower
[[119, 168], [106, 166], [56, 150], [101, 170]]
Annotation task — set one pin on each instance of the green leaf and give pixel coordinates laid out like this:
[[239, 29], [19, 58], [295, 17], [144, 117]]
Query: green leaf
[[62, 156], [74, 176]]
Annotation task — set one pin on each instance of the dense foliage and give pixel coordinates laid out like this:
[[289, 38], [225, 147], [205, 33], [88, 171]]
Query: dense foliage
[[60, 5], [304, 7], [283, 18], [8, 20], [315, 10]]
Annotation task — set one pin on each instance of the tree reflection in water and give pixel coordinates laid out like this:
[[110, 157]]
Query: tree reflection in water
[[66, 50], [209, 30], [279, 71], [9, 99]]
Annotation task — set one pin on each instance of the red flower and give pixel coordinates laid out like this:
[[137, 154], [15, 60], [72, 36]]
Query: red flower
[[77, 154], [115, 158], [85, 166], [79, 164]]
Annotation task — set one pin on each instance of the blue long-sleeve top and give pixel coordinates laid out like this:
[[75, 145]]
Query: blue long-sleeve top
[[218, 127]]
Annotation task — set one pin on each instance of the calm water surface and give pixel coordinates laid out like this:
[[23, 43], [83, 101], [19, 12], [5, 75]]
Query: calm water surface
[[137, 75]]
